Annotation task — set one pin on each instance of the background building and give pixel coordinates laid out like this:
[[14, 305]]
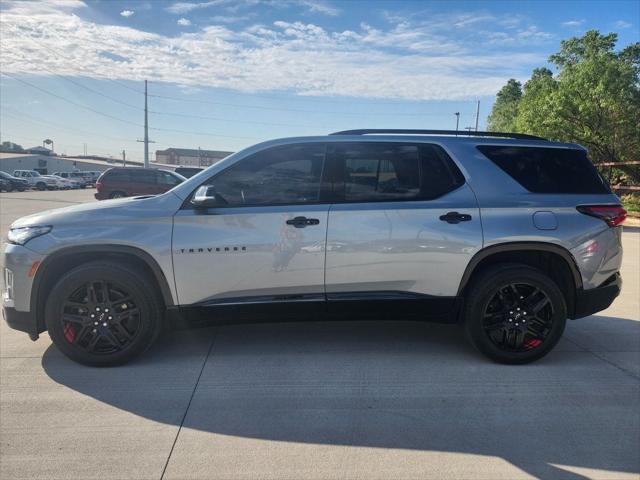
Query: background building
[[46, 164], [189, 156]]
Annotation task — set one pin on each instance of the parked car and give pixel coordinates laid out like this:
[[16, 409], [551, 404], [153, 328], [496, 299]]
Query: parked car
[[80, 179], [11, 183], [131, 181], [38, 181], [66, 183], [5, 185], [188, 172], [92, 176], [508, 234]]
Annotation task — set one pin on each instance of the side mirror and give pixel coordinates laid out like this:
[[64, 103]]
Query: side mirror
[[205, 197]]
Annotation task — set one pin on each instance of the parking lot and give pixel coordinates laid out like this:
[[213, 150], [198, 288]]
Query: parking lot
[[352, 400]]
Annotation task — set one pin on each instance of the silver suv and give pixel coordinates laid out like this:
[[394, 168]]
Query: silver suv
[[507, 234]]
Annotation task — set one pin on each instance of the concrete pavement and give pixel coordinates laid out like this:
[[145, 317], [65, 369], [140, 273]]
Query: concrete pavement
[[352, 400]]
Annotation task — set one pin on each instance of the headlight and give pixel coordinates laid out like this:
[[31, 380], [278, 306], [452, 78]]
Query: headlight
[[22, 235]]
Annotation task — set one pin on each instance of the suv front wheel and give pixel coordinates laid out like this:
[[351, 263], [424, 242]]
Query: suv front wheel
[[514, 313], [103, 314]]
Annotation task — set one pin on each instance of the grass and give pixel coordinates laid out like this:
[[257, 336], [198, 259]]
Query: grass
[[631, 203]]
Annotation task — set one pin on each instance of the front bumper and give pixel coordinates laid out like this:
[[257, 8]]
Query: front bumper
[[23, 321], [597, 299], [18, 311]]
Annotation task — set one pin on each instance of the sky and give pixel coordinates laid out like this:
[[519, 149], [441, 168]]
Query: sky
[[225, 74]]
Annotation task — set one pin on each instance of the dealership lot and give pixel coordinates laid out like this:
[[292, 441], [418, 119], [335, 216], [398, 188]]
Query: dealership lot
[[325, 400]]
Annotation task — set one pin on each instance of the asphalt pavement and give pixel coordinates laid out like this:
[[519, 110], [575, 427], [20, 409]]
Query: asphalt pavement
[[350, 400]]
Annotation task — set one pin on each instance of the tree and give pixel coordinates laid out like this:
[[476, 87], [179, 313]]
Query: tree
[[505, 110], [11, 147], [536, 106], [593, 100]]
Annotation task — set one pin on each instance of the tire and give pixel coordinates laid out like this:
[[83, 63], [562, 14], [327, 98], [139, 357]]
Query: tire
[[10, 187], [124, 324], [117, 194], [41, 186], [496, 316]]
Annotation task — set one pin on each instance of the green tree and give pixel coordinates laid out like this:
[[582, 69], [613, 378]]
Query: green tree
[[537, 105], [505, 109]]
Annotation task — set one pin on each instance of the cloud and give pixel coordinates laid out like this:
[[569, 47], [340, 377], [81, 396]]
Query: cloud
[[316, 6], [185, 22], [231, 18], [180, 8], [622, 24], [416, 59], [127, 13], [312, 6], [573, 23]]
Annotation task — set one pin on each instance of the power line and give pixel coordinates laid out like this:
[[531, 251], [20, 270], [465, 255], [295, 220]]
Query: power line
[[29, 118], [97, 92], [229, 120], [298, 110], [70, 101], [65, 57], [190, 132]]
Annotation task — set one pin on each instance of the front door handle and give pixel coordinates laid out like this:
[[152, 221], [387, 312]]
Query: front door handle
[[301, 222], [455, 217]]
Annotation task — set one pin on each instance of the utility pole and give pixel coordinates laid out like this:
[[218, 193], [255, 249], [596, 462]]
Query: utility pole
[[457, 114], [146, 128], [124, 158], [477, 114], [146, 140], [85, 149]]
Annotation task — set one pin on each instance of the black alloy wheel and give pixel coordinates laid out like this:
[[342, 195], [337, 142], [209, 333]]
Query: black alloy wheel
[[104, 313], [100, 317], [518, 318], [514, 313]]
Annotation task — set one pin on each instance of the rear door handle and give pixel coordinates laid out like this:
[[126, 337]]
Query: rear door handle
[[301, 222], [455, 217]]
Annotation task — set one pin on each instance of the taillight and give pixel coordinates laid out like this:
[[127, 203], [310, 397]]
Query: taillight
[[98, 185], [614, 215]]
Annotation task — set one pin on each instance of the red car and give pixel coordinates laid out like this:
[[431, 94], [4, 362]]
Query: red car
[[130, 182]]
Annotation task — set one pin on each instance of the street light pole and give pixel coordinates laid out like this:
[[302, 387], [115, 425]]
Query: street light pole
[[457, 114]]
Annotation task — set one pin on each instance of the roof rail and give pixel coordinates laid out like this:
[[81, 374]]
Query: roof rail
[[399, 131]]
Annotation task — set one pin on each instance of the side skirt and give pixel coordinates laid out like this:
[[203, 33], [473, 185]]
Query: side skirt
[[335, 306]]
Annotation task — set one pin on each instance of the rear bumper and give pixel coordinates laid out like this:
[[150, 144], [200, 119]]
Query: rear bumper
[[22, 321], [596, 299]]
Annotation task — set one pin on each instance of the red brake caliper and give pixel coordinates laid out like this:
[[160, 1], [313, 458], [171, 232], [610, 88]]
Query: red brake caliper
[[532, 343], [69, 332]]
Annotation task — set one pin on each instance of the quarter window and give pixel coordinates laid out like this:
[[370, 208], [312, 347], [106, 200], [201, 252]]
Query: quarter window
[[547, 170], [278, 176]]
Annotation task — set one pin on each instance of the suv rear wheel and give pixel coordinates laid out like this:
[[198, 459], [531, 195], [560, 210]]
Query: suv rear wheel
[[117, 194], [514, 313], [41, 186], [103, 314]]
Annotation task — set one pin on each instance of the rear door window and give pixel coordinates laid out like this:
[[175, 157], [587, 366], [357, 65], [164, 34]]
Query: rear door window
[[117, 176], [143, 176], [547, 170], [378, 172]]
